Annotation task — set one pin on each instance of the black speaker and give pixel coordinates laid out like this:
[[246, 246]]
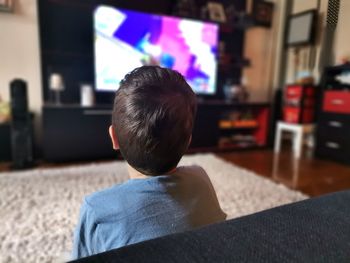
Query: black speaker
[[21, 126]]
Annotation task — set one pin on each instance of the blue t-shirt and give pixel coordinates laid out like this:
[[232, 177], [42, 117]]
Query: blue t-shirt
[[142, 209]]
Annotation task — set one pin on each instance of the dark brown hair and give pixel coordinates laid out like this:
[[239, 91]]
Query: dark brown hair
[[153, 115]]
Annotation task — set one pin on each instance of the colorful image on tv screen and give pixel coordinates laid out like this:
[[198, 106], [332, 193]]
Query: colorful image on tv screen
[[125, 40]]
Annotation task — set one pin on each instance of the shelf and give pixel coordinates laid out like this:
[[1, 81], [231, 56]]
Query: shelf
[[337, 86], [238, 147], [226, 28], [62, 53], [239, 128], [228, 63], [238, 125]]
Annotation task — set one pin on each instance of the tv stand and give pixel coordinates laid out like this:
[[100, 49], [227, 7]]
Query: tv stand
[[73, 133]]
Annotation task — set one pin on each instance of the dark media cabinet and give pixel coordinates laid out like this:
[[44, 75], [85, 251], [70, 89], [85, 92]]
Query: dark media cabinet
[[333, 124], [5, 142], [73, 133]]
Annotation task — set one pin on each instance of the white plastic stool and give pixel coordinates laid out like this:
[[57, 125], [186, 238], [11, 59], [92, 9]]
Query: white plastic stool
[[298, 131]]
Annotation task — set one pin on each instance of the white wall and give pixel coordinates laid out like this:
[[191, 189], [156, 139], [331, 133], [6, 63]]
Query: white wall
[[342, 38], [260, 47], [19, 53], [300, 6], [263, 47], [341, 46]]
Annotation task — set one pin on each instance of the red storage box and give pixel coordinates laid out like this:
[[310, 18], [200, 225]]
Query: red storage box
[[299, 104], [336, 101], [293, 92], [291, 114]]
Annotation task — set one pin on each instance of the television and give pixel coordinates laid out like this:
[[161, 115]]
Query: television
[[301, 28], [126, 39]]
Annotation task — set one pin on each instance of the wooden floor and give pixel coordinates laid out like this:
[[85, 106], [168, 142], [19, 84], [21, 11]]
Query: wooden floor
[[308, 175]]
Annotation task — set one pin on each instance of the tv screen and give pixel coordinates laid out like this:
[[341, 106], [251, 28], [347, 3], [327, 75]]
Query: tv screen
[[127, 39]]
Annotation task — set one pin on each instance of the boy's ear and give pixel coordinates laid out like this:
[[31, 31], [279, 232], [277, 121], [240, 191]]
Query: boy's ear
[[114, 138]]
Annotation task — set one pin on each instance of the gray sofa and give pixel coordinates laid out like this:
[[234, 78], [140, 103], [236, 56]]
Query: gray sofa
[[314, 230]]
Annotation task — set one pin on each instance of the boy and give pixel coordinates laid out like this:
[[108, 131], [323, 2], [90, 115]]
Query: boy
[[152, 120]]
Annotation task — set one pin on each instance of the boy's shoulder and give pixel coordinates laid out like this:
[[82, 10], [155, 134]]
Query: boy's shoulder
[[107, 197], [192, 169], [193, 172], [188, 172]]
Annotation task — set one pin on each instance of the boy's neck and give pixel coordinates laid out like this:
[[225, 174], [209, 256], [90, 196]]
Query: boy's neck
[[134, 174]]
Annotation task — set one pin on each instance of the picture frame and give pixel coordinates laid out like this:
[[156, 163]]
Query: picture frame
[[306, 18], [216, 12], [262, 13], [6, 5], [185, 8]]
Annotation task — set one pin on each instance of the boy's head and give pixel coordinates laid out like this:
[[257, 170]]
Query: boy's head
[[152, 119]]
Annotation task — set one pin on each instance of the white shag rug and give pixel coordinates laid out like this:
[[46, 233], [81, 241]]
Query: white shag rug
[[39, 208]]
